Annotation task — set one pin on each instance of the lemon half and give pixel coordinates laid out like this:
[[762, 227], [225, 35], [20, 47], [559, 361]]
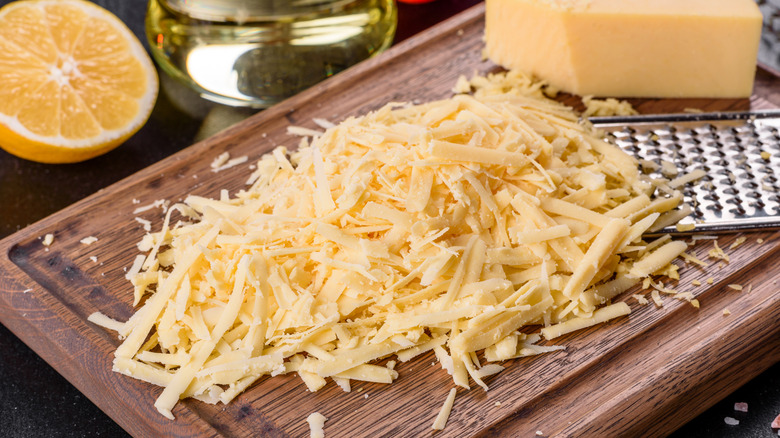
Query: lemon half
[[74, 81]]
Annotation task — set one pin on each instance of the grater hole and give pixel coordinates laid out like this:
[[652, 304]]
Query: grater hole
[[721, 163], [728, 139], [712, 197], [633, 149], [697, 150]]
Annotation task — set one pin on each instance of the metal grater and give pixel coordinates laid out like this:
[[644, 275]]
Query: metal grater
[[741, 190]]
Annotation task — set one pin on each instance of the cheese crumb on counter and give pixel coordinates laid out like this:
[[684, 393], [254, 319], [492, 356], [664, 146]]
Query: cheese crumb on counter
[[445, 226], [316, 425], [731, 421], [741, 407]]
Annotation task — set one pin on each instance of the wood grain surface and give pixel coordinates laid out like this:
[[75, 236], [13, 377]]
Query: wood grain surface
[[643, 375]]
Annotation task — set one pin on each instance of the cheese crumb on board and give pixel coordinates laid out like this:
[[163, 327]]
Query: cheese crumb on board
[[220, 160], [717, 253], [88, 240], [444, 226], [160, 203], [689, 258], [105, 321], [48, 240], [316, 425], [737, 242], [656, 298], [223, 162], [146, 224], [735, 286], [726, 312], [444, 413]]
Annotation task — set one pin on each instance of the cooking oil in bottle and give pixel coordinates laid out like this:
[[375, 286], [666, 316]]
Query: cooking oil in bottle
[[259, 52]]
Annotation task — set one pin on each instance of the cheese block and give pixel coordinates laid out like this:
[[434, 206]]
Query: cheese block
[[629, 48]]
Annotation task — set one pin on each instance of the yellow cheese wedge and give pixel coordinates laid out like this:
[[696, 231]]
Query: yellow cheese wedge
[[629, 48]]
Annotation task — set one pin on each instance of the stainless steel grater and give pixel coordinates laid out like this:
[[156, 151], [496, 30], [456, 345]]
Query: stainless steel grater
[[741, 190]]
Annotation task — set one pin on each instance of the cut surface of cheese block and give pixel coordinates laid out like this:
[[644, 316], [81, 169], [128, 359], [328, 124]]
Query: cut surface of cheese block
[[629, 48]]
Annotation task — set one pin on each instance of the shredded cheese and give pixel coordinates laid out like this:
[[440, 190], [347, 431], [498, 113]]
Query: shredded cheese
[[88, 240], [316, 425], [445, 226], [737, 242], [444, 413]]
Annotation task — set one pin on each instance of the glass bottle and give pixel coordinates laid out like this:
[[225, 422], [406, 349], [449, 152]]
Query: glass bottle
[[259, 52]]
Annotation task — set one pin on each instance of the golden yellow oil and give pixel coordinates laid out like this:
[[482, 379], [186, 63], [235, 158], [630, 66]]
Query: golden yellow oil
[[257, 53]]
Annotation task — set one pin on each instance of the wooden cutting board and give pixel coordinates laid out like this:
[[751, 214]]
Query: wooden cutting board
[[643, 375]]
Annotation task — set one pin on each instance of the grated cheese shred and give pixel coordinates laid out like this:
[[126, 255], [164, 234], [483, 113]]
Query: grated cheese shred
[[444, 226]]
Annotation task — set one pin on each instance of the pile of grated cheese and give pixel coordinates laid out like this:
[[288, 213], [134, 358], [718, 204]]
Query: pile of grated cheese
[[447, 226]]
